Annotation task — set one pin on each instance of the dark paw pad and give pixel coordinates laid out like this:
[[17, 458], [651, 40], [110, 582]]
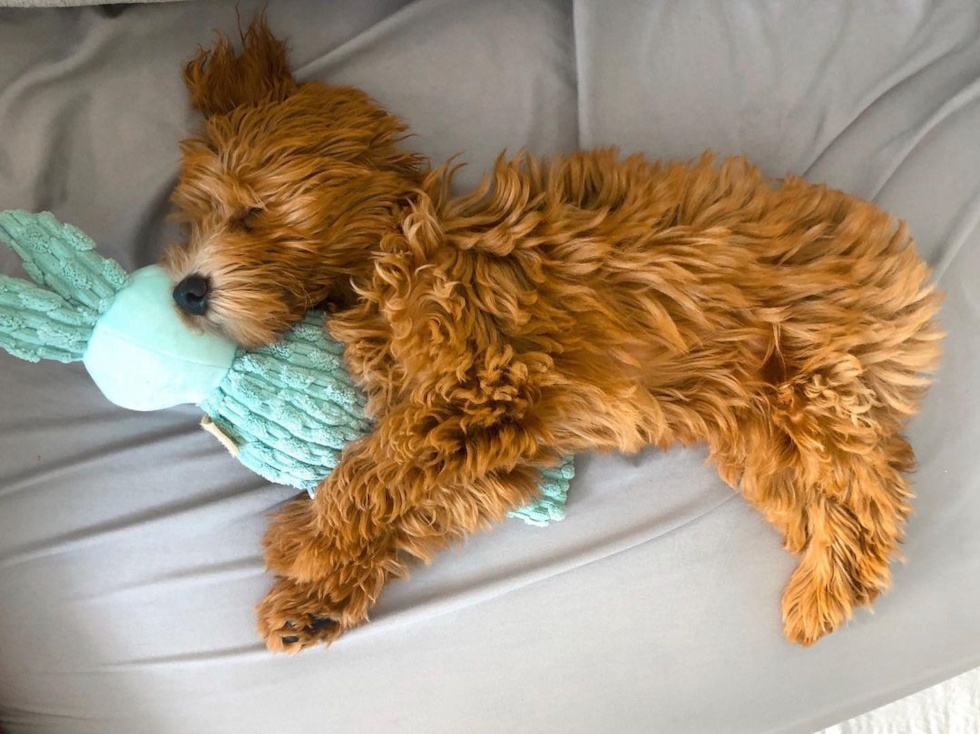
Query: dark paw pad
[[320, 623]]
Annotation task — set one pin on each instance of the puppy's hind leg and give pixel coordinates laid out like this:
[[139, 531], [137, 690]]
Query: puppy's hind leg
[[854, 518], [849, 484], [827, 474]]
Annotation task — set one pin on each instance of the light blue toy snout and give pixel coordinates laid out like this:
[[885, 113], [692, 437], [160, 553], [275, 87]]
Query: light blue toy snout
[[143, 356]]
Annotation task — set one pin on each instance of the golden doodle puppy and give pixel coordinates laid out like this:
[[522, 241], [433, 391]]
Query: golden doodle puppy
[[584, 303]]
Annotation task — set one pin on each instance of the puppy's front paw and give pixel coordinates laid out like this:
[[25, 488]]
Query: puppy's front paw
[[292, 617]]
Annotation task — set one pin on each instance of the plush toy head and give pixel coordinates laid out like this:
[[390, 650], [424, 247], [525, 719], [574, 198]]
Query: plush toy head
[[143, 357], [285, 410]]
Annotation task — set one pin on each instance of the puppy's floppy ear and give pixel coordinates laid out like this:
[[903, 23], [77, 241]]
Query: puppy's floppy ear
[[219, 80]]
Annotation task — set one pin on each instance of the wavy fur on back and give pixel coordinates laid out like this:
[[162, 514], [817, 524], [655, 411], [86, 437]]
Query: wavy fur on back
[[587, 302]]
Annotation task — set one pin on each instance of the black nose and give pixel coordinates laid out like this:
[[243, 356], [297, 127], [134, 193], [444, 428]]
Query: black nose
[[191, 294]]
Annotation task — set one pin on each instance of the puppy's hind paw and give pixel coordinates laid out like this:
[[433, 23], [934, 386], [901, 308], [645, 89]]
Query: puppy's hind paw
[[812, 609]]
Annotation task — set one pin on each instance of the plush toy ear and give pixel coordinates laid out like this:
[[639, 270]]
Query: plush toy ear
[[55, 318], [219, 80]]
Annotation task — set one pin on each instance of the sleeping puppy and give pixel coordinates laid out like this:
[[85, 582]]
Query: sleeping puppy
[[583, 303]]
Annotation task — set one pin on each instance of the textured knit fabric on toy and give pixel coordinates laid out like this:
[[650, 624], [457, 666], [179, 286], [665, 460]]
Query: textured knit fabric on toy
[[291, 408], [55, 318]]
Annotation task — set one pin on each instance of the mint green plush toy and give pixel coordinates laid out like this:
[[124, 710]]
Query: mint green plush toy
[[286, 410]]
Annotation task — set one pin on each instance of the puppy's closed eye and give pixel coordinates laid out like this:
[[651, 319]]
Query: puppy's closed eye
[[247, 219]]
